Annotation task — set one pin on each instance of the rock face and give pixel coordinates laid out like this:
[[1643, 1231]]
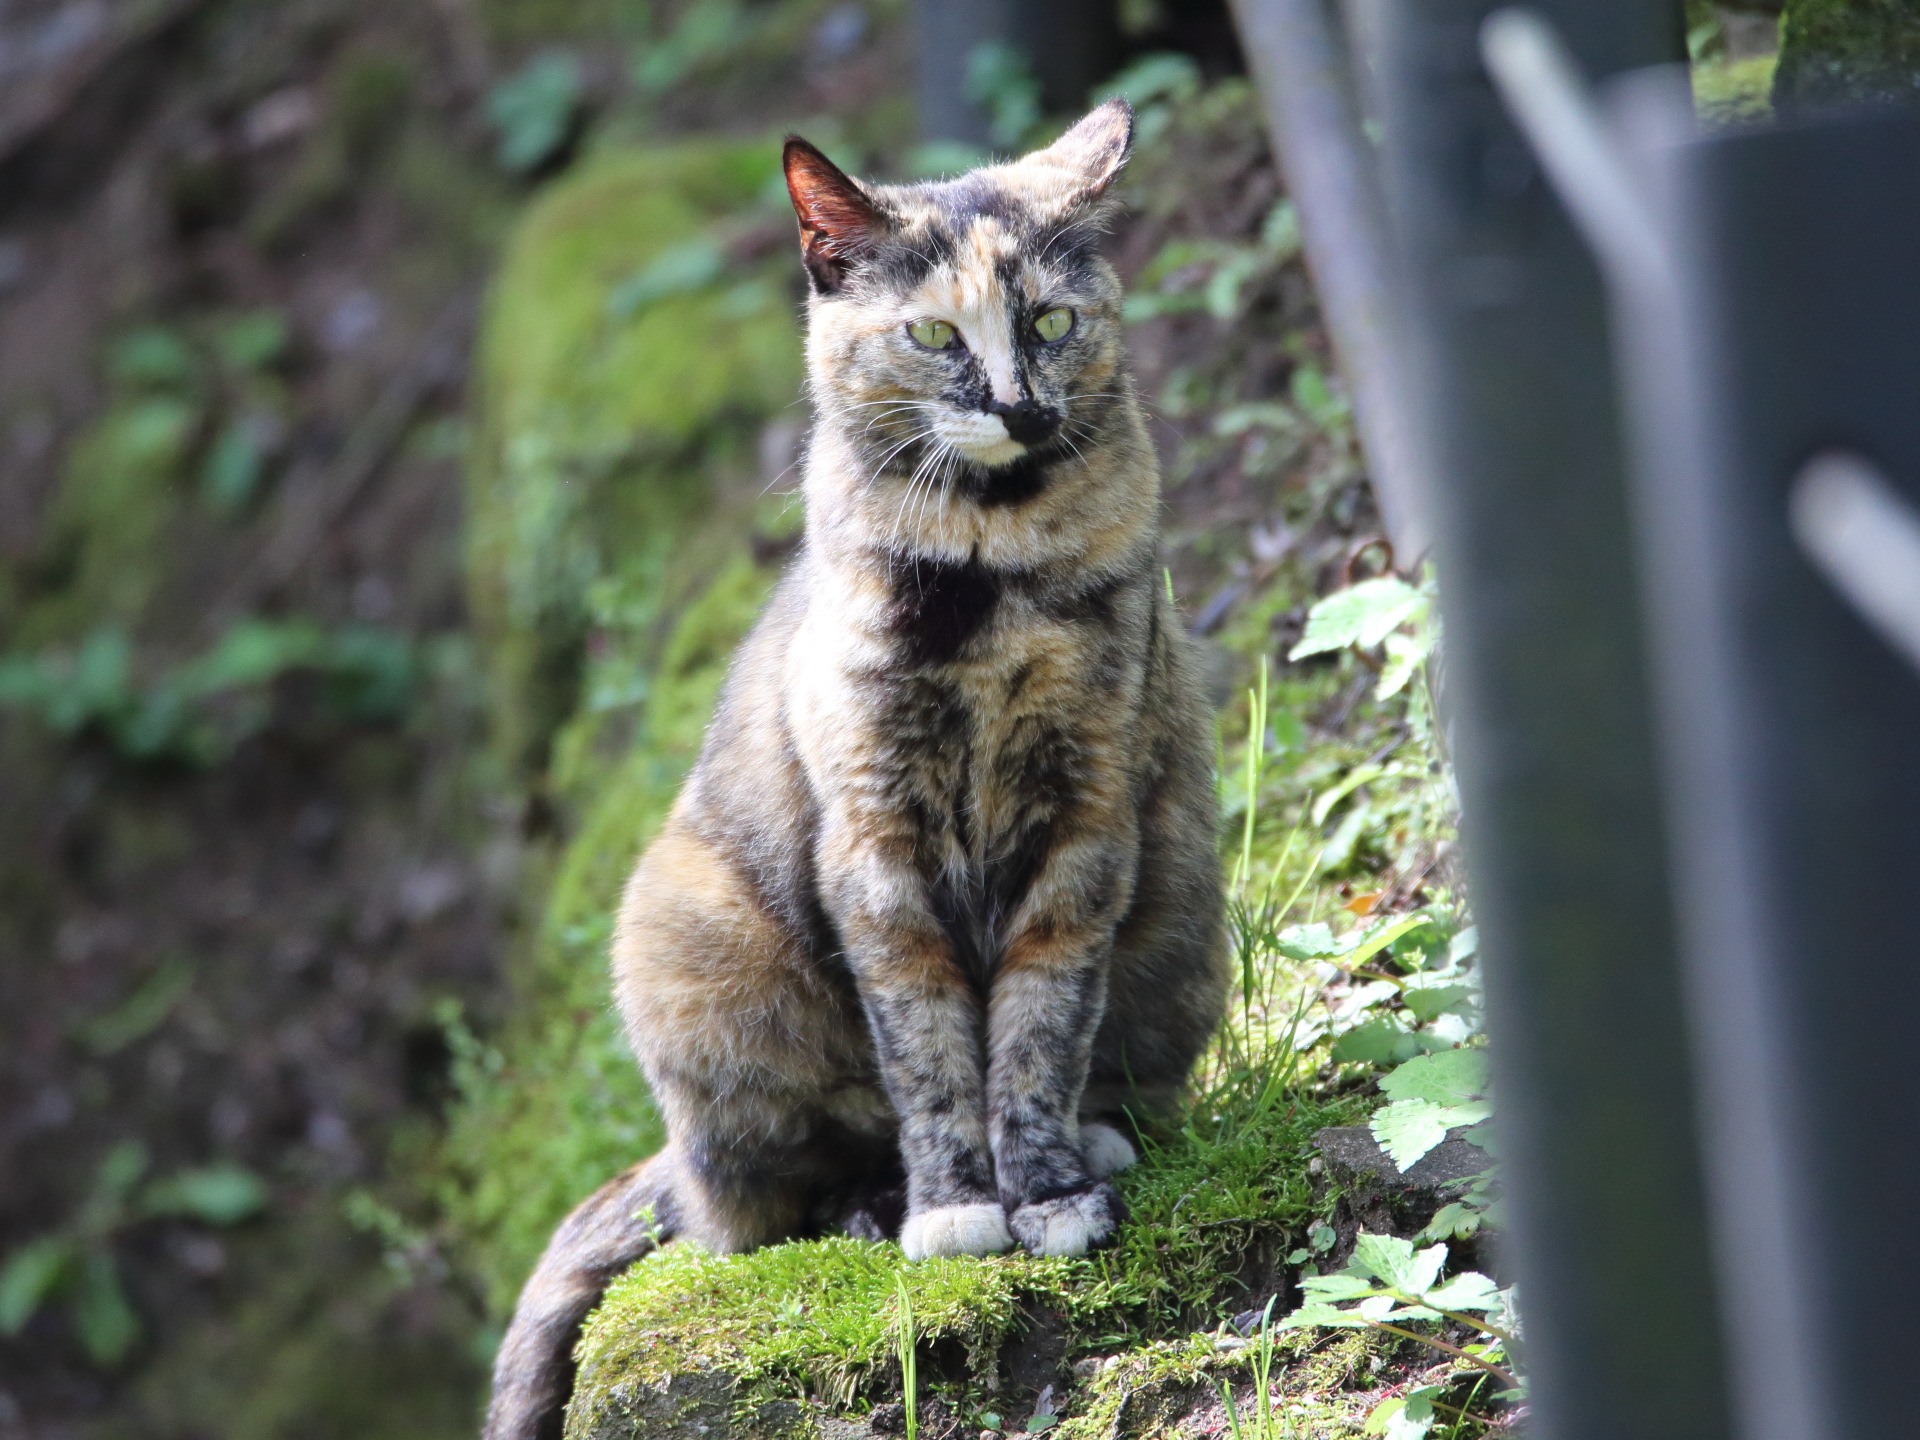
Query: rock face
[[1355, 1159], [1379, 1198], [699, 1405]]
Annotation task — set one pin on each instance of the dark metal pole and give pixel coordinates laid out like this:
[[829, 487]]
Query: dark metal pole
[[1793, 735], [1505, 325], [1308, 91]]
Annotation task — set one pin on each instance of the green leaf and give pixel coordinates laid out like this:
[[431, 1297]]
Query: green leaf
[[1408, 1129], [1405, 655], [1331, 1289], [1468, 1291], [140, 1013], [253, 341], [1309, 1316], [235, 465], [106, 1322], [533, 110], [1450, 1077], [1396, 1264], [1313, 395], [1452, 1222], [1360, 775], [1404, 1417], [1362, 615], [1432, 1001], [1374, 939], [215, 1194], [1378, 1042], [30, 1277], [1307, 942], [1160, 75]]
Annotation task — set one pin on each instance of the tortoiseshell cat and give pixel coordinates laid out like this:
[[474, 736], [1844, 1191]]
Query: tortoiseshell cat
[[940, 901]]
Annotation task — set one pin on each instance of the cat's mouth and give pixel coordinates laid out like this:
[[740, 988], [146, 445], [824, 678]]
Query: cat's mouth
[[982, 438]]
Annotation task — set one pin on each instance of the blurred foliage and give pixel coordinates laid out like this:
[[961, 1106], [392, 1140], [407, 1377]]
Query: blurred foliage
[[200, 710], [75, 1264], [1836, 51], [534, 110]]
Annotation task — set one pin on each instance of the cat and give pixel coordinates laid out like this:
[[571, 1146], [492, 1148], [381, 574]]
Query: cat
[[939, 906]]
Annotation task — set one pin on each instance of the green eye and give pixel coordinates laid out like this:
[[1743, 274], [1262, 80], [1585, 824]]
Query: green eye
[[934, 334], [1054, 325]]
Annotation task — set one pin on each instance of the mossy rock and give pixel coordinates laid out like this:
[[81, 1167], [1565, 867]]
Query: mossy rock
[[1838, 51], [803, 1338], [799, 1342], [621, 365]]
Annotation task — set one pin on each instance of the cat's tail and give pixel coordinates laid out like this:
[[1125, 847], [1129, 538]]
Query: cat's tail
[[621, 1221]]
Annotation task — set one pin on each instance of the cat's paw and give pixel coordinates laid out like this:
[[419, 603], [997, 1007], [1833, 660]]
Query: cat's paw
[[1070, 1224], [956, 1230], [1105, 1150]]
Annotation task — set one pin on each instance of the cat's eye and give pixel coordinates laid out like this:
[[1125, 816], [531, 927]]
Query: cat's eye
[[934, 334], [1054, 325]]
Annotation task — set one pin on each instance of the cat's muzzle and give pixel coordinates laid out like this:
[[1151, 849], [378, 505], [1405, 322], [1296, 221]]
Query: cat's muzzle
[[1027, 422]]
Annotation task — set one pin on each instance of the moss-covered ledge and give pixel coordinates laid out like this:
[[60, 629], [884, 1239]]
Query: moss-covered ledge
[[798, 1342], [801, 1341]]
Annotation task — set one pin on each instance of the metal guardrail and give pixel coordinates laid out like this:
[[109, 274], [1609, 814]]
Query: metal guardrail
[[1677, 516]]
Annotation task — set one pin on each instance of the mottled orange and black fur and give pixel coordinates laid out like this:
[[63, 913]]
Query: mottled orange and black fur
[[939, 904]]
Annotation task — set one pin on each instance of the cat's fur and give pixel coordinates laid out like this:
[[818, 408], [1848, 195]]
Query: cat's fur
[[939, 905]]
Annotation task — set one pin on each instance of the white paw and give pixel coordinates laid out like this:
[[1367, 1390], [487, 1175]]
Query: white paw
[[955, 1230], [1069, 1224], [1106, 1150]]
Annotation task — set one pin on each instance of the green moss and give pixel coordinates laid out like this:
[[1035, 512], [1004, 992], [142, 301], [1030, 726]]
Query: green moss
[[815, 1318], [561, 1105], [602, 424], [1732, 93], [119, 498], [1833, 51], [1148, 1390]]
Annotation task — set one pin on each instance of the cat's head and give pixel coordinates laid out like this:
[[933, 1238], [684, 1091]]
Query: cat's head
[[966, 327]]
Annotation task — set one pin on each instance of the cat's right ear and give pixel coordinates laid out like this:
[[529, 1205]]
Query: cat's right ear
[[839, 225]]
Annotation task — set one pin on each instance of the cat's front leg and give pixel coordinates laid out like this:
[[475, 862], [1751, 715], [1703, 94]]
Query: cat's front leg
[[926, 1025], [1049, 995]]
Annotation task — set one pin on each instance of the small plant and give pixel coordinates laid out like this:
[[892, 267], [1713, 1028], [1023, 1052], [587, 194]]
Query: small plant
[[905, 1341], [1262, 1424], [1388, 1281], [1430, 1095]]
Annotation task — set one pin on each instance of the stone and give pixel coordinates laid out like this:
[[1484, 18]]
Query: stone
[[1356, 1160]]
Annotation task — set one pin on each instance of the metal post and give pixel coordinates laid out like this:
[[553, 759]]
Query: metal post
[[1791, 359], [1505, 327], [1311, 100]]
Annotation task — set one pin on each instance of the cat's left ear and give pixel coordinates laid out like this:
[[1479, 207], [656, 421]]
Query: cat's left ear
[[1091, 155], [839, 225]]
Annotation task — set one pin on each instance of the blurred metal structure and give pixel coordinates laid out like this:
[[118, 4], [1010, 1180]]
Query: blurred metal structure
[[1691, 854], [1308, 89], [1071, 46], [1768, 321], [1501, 365], [1780, 497]]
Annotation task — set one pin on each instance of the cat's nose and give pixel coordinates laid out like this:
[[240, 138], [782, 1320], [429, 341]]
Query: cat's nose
[[1027, 422]]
